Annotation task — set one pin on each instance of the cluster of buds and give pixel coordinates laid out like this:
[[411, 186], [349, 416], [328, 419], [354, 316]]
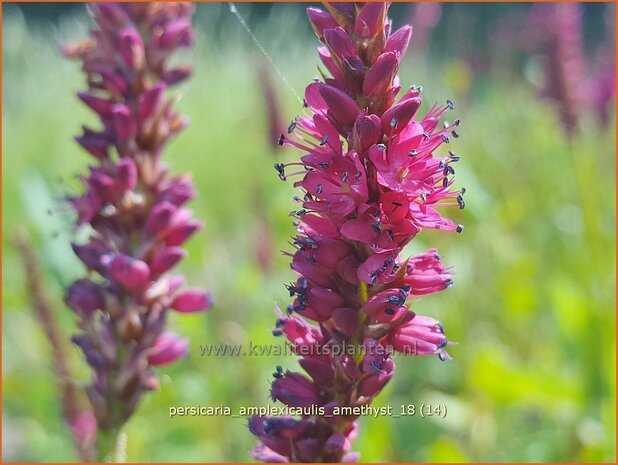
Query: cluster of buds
[[132, 207], [370, 182]]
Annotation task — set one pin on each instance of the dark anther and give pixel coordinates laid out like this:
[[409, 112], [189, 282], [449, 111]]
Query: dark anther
[[461, 202], [450, 104], [389, 311], [280, 167], [280, 322], [426, 135], [441, 165], [459, 228], [324, 140], [344, 177], [457, 122], [441, 356], [454, 134], [445, 182], [277, 375], [381, 147], [449, 170], [308, 197], [443, 343], [358, 176], [463, 190], [289, 309], [376, 227], [277, 332], [445, 138], [396, 300], [291, 127], [305, 104], [304, 283], [324, 164], [281, 139], [412, 153], [318, 189], [403, 292], [394, 123], [448, 283], [390, 234], [301, 212]]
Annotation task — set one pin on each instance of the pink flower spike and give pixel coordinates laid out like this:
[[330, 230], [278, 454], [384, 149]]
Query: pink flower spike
[[167, 348], [131, 208], [369, 183], [192, 300]]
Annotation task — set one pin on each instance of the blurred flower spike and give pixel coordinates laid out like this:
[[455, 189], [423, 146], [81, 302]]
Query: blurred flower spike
[[133, 209], [370, 181]]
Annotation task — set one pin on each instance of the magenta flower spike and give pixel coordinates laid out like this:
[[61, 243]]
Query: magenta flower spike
[[370, 181], [133, 208]]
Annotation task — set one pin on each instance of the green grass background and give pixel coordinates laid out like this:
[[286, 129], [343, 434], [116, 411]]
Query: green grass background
[[533, 374]]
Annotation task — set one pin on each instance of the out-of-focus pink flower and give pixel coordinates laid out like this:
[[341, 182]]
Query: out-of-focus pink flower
[[167, 348], [134, 208]]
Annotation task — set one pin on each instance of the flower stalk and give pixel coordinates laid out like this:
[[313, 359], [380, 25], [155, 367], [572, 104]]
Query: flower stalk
[[133, 208], [369, 183]]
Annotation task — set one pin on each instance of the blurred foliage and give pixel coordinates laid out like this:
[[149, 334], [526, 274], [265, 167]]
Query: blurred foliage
[[533, 375]]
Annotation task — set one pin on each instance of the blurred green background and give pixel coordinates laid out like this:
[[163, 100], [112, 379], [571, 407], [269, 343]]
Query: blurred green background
[[533, 374]]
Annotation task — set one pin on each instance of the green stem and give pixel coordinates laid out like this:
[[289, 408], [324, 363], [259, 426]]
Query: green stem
[[109, 446]]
